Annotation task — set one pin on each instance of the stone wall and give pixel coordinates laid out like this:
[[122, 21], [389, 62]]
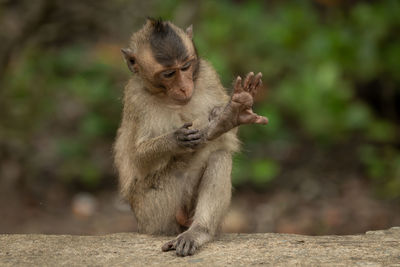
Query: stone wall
[[375, 248]]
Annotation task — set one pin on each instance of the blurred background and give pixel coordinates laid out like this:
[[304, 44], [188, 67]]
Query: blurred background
[[327, 163]]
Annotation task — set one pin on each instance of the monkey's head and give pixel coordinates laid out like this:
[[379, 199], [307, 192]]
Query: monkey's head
[[165, 57]]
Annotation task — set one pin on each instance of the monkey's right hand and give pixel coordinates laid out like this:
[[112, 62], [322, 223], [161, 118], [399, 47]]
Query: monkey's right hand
[[189, 138]]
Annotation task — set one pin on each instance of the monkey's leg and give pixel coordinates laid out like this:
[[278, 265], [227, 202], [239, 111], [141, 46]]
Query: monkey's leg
[[212, 204], [155, 210]]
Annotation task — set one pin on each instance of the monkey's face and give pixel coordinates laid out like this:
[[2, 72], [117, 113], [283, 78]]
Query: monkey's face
[[166, 59], [177, 81]]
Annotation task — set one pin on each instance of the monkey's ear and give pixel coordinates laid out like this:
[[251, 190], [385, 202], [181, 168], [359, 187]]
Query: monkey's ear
[[189, 31], [129, 59]]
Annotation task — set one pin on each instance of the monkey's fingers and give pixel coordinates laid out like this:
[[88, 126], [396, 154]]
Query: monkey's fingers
[[194, 136], [192, 143], [254, 91], [261, 120], [189, 131], [183, 134], [255, 118], [254, 84], [259, 81], [238, 85], [249, 117], [170, 245], [248, 80], [187, 125]]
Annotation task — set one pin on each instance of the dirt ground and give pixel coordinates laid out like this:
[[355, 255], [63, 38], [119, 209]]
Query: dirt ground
[[351, 209]]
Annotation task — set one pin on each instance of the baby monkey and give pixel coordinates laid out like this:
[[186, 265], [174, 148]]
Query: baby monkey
[[174, 147]]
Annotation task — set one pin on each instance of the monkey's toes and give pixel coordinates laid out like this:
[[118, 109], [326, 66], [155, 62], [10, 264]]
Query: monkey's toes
[[185, 247], [170, 245]]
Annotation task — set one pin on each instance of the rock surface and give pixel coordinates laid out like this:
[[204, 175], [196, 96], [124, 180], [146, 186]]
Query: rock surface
[[375, 248]]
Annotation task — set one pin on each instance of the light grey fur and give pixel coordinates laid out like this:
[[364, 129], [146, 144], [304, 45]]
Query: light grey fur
[[157, 177]]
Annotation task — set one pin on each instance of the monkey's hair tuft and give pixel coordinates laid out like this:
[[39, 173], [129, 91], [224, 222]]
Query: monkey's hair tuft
[[166, 44], [158, 24]]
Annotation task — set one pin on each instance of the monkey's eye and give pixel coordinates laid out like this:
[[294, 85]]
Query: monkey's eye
[[186, 66], [168, 74]]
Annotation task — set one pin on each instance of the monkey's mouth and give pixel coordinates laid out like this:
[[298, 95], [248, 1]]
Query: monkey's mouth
[[182, 102], [180, 99]]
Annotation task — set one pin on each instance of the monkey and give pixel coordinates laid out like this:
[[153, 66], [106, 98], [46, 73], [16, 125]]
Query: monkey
[[178, 132]]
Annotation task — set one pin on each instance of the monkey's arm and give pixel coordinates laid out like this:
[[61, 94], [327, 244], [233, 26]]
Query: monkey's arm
[[238, 110], [150, 152]]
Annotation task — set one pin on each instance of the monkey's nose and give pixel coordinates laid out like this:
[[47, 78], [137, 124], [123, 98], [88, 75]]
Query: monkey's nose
[[184, 91]]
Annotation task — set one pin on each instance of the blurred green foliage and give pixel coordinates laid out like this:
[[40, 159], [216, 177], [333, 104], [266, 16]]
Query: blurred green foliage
[[313, 63], [316, 64], [67, 97]]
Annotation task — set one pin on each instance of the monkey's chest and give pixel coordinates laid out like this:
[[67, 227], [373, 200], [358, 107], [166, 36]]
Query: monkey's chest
[[169, 121]]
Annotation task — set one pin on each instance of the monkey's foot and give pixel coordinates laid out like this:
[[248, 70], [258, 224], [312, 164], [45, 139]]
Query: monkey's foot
[[184, 244]]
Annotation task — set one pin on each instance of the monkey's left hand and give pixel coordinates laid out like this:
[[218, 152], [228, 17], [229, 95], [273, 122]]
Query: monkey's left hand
[[239, 110], [243, 99]]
